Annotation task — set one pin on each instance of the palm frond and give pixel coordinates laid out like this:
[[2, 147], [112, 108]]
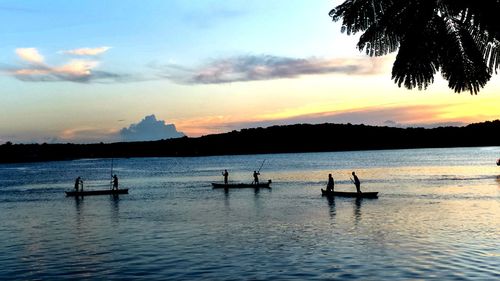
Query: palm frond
[[358, 15], [462, 62], [417, 61]]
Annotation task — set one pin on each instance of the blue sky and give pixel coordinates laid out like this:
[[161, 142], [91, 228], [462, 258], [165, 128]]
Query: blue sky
[[83, 70]]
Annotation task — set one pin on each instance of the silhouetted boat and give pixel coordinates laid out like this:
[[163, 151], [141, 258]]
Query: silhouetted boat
[[97, 192], [498, 162], [242, 185], [350, 194]]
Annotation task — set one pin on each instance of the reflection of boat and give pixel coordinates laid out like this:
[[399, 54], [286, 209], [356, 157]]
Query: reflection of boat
[[97, 192], [350, 194], [242, 185]]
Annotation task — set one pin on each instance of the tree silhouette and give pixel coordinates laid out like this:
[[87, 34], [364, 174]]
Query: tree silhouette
[[459, 38]]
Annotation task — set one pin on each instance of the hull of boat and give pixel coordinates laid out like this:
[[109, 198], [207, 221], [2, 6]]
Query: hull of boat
[[241, 185], [97, 192], [350, 194]]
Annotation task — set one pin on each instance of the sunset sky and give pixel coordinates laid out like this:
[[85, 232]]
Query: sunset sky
[[80, 71]]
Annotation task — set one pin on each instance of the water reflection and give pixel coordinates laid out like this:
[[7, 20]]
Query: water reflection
[[226, 199], [79, 211], [357, 210], [257, 201], [115, 207], [331, 204]]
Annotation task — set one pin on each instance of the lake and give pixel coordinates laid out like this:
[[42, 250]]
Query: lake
[[437, 217]]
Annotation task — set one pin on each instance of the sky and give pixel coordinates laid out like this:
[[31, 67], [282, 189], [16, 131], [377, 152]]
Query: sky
[[88, 71]]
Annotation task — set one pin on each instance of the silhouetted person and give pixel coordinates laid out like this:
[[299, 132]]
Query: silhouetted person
[[256, 177], [225, 174], [78, 182], [356, 182], [331, 184], [115, 182]]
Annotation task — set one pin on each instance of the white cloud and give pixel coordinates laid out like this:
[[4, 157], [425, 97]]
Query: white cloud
[[30, 55], [88, 51], [76, 70]]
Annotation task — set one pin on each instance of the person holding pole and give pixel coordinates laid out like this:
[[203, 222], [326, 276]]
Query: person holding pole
[[356, 182], [225, 174], [331, 184], [257, 173], [115, 182], [256, 177], [78, 182]]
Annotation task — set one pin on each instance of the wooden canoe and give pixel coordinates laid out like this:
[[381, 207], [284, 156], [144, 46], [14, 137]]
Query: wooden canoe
[[242, 185], [350, 194], [97, 192]]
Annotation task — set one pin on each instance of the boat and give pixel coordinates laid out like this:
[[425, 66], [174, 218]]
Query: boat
[[498, 162], [350, 194], [243, 185], [97, 192]]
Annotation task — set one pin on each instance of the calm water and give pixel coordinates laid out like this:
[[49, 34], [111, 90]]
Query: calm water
[[437, 217]]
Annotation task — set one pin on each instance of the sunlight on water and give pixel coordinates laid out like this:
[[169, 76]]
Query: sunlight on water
[[437, 217]]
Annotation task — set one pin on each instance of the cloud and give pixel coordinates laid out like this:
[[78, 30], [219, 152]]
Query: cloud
[[149, 129], [75, 70], [267, 67], [428, 125], [88, 51], [30, 55]]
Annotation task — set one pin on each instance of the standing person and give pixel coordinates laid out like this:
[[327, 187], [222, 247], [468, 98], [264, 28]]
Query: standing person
[[256, 177], [331, 184], [115, 182], [356, 182], [78, 182], [226, 175]]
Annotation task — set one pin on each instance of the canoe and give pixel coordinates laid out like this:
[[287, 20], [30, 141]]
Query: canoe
[[242, 185], [97, 192], [350, 194]]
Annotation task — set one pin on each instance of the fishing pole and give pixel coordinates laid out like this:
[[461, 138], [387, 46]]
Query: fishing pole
[[258, 171]]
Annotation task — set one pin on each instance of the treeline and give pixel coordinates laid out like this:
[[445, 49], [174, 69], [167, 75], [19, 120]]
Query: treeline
[[275, 139]]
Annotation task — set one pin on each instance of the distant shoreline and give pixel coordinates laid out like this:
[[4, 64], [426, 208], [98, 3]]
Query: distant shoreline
[[299, 138]]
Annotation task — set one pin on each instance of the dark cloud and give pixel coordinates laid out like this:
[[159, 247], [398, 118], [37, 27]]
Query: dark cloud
[[149, 129], [266, 67]]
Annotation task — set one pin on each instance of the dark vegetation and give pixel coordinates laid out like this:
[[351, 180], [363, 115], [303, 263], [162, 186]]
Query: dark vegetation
[[276, 139], [460, 39]]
